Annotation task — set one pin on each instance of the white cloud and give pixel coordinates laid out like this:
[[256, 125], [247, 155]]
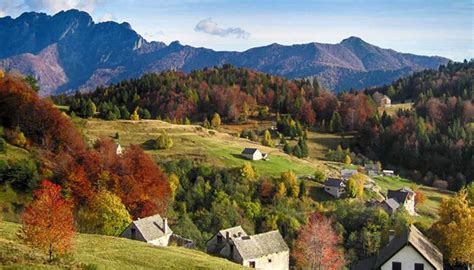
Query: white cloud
[[9, 6], [210, 27], [107, 17]]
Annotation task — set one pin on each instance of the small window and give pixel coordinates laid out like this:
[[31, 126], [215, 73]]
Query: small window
[[419, 266], [252, 264], [396, 266], [269, 260], [133, 233]]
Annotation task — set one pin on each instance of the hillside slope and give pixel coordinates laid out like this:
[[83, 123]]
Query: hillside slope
[[199, 144], [105, 252], [69, 51]]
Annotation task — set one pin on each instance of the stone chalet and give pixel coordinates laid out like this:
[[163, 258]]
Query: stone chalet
[[253, 154], [410, 250], [261, 251], [153, 230]]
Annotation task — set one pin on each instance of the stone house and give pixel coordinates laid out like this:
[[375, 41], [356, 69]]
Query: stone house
[[261, 251], [153, 230], [253, 154], [381, 100], [410, 250], [335, 187]]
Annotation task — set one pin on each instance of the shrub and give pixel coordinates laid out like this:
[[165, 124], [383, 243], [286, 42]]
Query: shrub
[[3, 146], [164, 141]]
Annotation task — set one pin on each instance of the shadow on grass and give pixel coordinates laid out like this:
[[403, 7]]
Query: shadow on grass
[[318, 194], [149, 145]]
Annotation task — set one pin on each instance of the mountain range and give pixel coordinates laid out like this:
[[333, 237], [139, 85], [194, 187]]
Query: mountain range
[[69, 51]]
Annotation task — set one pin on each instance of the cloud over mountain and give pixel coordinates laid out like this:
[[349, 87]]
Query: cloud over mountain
[[210, 27]]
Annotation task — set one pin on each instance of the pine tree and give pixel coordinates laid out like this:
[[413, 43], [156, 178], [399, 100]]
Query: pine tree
[[335, 125], [304, 147], [287, 148], [297, 151]]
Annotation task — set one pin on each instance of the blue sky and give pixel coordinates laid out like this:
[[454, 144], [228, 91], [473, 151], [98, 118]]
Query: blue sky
[[434, 27]]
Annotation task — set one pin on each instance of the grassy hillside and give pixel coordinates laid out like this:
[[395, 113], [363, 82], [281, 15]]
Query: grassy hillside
[[394, 108], [105, 252], [428, 210], [202, 145]]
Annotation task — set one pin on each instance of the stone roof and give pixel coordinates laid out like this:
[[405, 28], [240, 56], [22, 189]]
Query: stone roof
[[392, 203], [151, 227], [234, 232], [334, 182], [411, 236], [249, 151], [259, 245]]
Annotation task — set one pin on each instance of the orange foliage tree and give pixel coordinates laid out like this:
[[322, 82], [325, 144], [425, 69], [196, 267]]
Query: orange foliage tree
[[317, 245], [48, 221], [143, 187]]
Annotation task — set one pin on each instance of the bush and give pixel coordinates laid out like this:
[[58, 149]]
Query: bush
[[319, 176], [164, 141]]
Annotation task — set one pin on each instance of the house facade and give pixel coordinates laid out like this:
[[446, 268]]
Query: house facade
[[410, 250], [335, 187], [261, 251], [153, 230], [253, 154]]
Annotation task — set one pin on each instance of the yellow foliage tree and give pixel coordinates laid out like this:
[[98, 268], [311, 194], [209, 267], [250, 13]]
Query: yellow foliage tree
[[454, 231], [174, 183], [2, 74], [135, 116], [357, 181], [267, 139], [281, 191], [289, 177], [105, 214], [247, 171], [347, 160], [216, 121]]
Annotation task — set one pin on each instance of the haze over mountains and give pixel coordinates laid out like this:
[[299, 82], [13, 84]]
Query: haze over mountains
[[69, 51]]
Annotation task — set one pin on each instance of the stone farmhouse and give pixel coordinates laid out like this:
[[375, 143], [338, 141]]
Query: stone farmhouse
[[153, 230], [335, 187], [261, 251], [410, 250], [253, 154]]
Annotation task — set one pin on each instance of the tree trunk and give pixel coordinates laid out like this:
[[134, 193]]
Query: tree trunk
[[50, 252]]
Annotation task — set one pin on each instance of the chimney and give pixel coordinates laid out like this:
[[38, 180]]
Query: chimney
[[165, 225], [227, 235], [391, 235]]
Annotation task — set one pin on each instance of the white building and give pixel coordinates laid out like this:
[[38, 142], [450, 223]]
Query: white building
[[153, 230], [410, 250], [388, 173], [261, 251], [335, 187], [405, 197], [253, 154]]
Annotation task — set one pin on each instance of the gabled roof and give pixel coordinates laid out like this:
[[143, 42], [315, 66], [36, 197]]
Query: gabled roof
[[249, 151], [411, 236], [334, 182], [400, 195], [151, 227], [259, 245], [234, 232], [392, 203]]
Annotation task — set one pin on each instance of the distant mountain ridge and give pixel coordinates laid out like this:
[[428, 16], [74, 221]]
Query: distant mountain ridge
[[69, 51]]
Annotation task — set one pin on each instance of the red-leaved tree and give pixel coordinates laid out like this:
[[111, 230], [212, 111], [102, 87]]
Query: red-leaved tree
[[48, 221], [318, 245]]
